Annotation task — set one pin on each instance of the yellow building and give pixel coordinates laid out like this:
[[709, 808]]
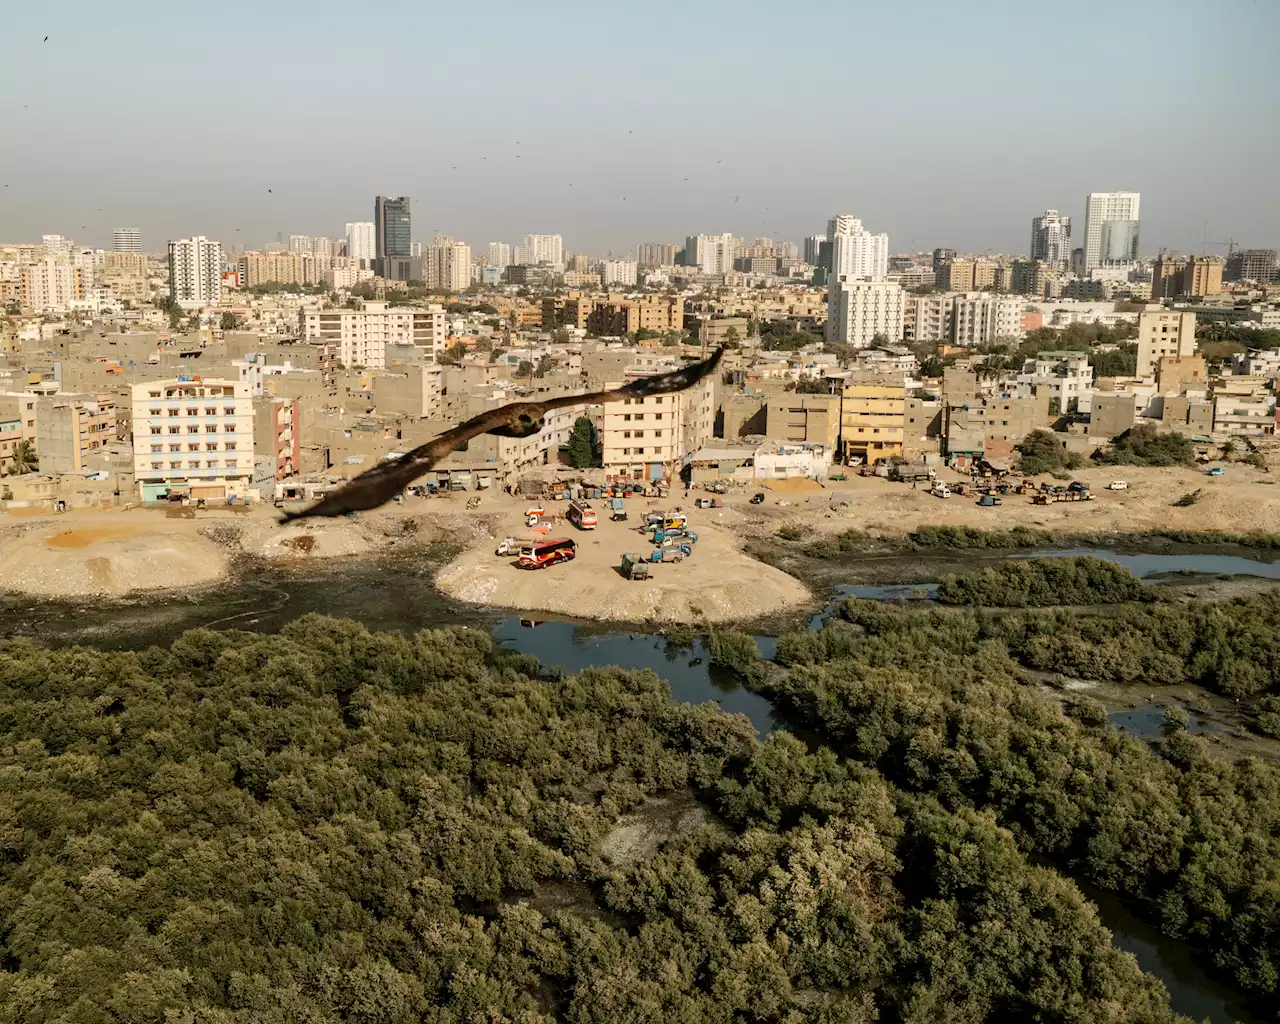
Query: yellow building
[[872, 421]]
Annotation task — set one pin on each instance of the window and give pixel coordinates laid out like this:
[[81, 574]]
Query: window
[[626, 451], [657, 433], [230, 428], [153, 412], [175, 430], [229, 410], [657, 415], [211, 447], [157, 465], [193, 430], [156, 449], [175, 447], [173, 412], [626, 433], [658, 400], [639, 415], [639, 451], [153, 394], [155, 430], [626, 416], [193, 410], [230, 446], [211, 410]]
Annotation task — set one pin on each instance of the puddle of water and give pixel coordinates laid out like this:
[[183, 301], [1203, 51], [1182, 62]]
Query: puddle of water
[[1144, 722]]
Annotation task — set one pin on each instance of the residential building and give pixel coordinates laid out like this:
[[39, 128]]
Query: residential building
[[857, 254], [1162, 334], [991, 427], [360, 336], [872, 422], [1066, 376], [656, 254], [710, 254], [813, 249], [1110, 228], [1166, 275], [645, 438], [411, 391], [541, 249], [803, 419], [1051, 239], [941, 257], [1202, 276], [300, 243], [497, 254], [979, 318], [621, 272], [126, 240], [1176, 374], [1256, 265], [393, 235], [51, 285], [931, 319], [195, 272], [283, 268], [613, 315], [862, 313], [362, 243], [193, 438], [276, 434], [1244, 417], [69, 427], [11, 435], [446, 264]]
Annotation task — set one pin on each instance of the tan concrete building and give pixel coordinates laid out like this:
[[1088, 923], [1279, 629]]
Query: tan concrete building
[[1202, 276], [647, 438], [992, 427], [1162, 334], [361, 336], [744, 416], [1112, 414], [416, 391], [192, 437], [803, 419], [873, 417], [1176, 374], [70, 427], [277, 434], [613, 314]]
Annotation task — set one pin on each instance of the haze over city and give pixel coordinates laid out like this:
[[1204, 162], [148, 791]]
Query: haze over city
[[612, 125]]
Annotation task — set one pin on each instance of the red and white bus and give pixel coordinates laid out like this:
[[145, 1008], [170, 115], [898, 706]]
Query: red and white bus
[[582, 515], [547, 552]]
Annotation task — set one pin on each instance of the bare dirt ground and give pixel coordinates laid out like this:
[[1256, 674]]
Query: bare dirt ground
[[115, 552], [1245, 499]]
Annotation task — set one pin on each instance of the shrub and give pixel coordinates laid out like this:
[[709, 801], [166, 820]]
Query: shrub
[[969, 537], [794, 531], [1144, 445], [1043, 582], [1188, 499]]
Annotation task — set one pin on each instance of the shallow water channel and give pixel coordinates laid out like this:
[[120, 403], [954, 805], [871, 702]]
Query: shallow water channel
[[399, 595]]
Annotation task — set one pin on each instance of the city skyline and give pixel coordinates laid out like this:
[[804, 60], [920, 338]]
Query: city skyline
[[505, 173]]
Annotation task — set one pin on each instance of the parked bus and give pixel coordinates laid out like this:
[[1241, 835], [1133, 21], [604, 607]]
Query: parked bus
[[582, 515], [547, 552]]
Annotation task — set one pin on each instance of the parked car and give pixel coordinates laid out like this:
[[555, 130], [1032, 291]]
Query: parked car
[[987, 500], [1076, 485], [1118, 485], [757, 498], [941, 490], [1217, 471]]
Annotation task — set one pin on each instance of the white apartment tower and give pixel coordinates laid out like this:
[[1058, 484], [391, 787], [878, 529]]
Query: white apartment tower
[[498, 254], [711, 254], [195, 272], [857, 311], [541, 249], [1110, 228], [361, 336], [447, 264], [623, 272], [856, 253], [1051, 239], [126, 240], [361, 243]]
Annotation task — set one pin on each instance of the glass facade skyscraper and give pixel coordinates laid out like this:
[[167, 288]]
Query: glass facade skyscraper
[[391, 225]]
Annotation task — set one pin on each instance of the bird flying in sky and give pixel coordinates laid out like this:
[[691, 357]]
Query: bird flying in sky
[[379, 485]]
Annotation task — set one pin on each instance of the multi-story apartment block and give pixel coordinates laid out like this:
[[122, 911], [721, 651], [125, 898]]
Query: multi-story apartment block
[[646, 438], [70, 427], [872, 422], [1162, 334], [192, 437], [621, 272], [126, 240], [446, 264], [1051, 239], [51, 285], [361, 336], [710, 254], [858, 311], [195, 272], [276, 433], [540, 249], [1257, 265], [362, 243], [498, 254], [857, 254], [656, 254], [979, 318]]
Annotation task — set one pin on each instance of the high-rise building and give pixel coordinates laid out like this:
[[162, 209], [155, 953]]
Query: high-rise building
[[126, 240], [857, 254], [446, 264], [1110, 228], [941, 257], [361, 336], [621, 272], [859, 311], [51, 284], [1051, 239], [1257, 265], [541, 249], [392, 233], [300, 243], [813, 249], [710, 254], [498, 254], [195, 272], [656, 254], [415, 250], [55, 247], [362, 242]]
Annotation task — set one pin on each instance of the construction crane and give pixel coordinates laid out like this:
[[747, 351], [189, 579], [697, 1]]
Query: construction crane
[[1230, 243]]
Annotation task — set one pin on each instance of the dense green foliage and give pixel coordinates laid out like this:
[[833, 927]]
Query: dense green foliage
[[1039, 452], [1144, 445], [331, 825], [934, 702], [583, 447], [843, 543], [1043, 583], [970, 537]]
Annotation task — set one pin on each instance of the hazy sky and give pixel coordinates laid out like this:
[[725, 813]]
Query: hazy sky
[[940, 123]]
